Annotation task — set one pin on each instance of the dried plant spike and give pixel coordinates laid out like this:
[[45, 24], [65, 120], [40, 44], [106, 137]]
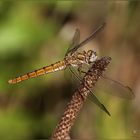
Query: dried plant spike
[[73, 107]]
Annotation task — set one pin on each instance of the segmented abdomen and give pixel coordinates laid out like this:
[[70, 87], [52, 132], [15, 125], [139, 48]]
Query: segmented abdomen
[[60, 65]]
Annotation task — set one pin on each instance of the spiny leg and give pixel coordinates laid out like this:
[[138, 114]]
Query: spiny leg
[[80, 70]]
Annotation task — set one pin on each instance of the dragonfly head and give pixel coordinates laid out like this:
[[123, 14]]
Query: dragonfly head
[[91, 56]]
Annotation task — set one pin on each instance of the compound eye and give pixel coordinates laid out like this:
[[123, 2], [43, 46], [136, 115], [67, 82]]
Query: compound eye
[[93, 56]]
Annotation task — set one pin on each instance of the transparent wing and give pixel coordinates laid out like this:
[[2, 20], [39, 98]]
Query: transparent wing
[[91, 95], [91, 36], [76, 45], [115, 88], [75, 42], [75, 73], [72, 76], [94, 99]]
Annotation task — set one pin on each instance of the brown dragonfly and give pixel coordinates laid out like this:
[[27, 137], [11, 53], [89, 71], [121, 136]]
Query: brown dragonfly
[[72, 58]]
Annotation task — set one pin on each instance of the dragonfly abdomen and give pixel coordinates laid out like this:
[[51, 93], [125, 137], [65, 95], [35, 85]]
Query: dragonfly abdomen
[[60, 65]]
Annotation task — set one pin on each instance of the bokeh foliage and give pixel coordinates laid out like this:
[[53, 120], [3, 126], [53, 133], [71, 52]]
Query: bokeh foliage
[[34, 34]]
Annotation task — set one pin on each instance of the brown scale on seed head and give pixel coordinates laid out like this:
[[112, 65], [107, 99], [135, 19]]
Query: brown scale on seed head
[[63, 129]]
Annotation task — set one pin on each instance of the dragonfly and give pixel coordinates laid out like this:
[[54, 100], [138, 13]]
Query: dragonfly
[[72, 58]]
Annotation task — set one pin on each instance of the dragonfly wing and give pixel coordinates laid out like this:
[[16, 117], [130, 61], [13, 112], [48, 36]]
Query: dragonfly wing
[[116, 88], [75, 42], [76, 45], [95, 100], [72, 76], [88, 39], [91, 96], [73, 71]]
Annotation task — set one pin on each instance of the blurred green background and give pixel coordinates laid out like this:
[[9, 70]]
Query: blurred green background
[[34, 34]]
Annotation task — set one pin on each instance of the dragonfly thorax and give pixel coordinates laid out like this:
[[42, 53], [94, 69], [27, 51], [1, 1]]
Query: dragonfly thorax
[[79, 58]]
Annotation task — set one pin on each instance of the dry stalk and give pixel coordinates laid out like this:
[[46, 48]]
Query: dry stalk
[[73, 107]]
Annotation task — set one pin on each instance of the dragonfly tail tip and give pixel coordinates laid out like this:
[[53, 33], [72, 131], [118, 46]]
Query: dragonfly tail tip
[[10, 81]]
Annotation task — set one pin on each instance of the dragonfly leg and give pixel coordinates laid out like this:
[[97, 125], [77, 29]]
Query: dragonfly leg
[[80, 70]]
